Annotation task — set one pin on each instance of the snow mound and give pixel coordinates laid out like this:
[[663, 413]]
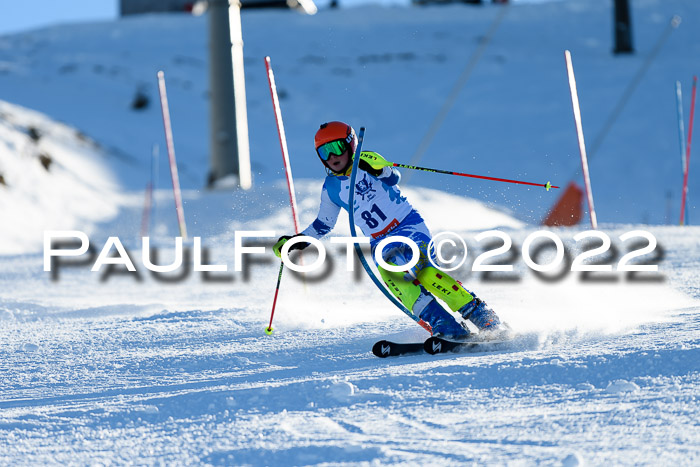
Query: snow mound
[[52, 178], [620, 386], [341, 391], [573, 460], [29, 347]]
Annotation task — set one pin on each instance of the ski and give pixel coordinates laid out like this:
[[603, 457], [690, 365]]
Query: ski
[[433, 346], [383, 349], [436, 345]]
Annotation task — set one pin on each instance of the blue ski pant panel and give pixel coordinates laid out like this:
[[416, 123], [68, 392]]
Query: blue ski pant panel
[[399, 253]]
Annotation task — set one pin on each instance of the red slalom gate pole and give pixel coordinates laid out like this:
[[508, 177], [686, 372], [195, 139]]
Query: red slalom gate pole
[[287, 172], [145, 217], [283, 142], [447, 172], [579, 134], [171, 154], [687, 149]]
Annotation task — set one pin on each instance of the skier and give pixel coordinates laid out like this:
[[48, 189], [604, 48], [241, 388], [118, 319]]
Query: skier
[[381, 210]]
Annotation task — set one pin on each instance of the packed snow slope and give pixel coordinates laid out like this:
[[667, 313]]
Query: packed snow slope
[[391, 69], [113, 367]]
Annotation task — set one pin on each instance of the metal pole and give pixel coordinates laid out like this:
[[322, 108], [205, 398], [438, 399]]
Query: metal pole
[[229, 148], [234, 12], [623, 28]]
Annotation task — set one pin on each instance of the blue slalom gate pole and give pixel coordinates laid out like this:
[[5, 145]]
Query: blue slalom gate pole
[[358, 250], [681, 135]]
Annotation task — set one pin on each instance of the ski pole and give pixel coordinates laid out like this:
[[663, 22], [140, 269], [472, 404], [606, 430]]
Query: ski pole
[[447, 172], [268, 329]]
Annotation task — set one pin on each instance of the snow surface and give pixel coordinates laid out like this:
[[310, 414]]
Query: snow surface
[[114, 368]]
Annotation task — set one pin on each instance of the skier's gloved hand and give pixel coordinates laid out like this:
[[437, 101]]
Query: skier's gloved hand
[[368, 168], [373, 163], [277, 248]]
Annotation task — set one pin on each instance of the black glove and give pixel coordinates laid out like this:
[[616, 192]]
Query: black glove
[[277, 248], [364, 165]]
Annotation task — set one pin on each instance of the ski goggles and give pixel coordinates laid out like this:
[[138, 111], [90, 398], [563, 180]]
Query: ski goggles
[[334, 148]]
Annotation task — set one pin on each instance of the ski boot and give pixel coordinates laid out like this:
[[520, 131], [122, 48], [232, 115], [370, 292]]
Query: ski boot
[[481, 315], [444, 325]]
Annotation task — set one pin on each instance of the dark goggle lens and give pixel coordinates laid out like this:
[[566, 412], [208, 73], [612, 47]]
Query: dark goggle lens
[[334, 148]]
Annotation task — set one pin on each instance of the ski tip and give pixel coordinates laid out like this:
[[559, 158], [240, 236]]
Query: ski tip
[[268, 331], [433, 345], [382, 349]]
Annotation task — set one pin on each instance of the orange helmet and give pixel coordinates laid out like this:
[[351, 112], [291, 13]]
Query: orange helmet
[[339, 134]]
